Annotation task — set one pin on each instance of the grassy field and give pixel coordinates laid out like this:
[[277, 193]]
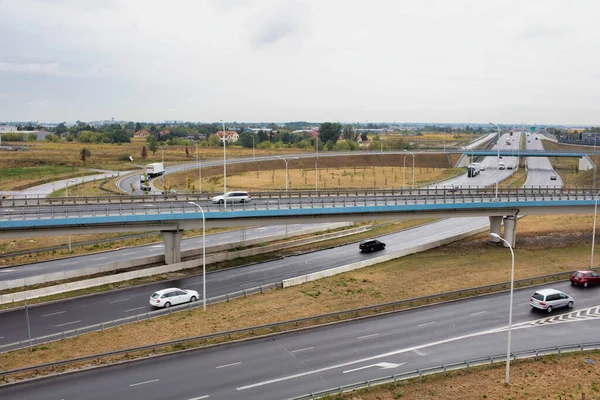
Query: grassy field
[[568, 166], [564, 377], [545, 245]]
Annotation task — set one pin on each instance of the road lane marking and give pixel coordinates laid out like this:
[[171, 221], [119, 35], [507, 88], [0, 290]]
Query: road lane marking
[[7, 270], [129, 254], [299, 350], [67, 323], [382, 365], [118, 301], [133, 309], [201, 397], [248, 284], [225, 237], [143, 383], [71, 263], [228, 365], [100, 258], [1, 337], [368, 336], [54, 313], [524, 304], [427, 323], [478, 313]]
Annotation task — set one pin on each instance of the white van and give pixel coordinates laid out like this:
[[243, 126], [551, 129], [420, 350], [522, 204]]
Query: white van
[[501, 165], [549, 299]]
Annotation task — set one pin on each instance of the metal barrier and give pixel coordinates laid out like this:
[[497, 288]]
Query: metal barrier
[[444, 368]]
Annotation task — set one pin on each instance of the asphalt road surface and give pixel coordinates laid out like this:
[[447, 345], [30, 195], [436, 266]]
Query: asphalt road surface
[[297, 363]]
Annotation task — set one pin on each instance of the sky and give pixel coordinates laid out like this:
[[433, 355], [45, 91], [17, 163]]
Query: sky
[[535, 62]]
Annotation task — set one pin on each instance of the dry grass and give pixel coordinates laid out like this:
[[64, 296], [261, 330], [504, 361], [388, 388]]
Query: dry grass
[[553, 377], [544, 245]]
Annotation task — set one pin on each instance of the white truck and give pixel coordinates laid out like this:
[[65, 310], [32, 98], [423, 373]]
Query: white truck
[[473, 169], [155, 169], [501, 165]]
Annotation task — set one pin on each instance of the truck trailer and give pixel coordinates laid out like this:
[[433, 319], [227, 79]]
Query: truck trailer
[[155, 169]]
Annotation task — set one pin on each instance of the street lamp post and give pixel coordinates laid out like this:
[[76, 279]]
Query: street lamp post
[[253, 152], [224, 166], [162, 153], [286, 170], [594, 231], [199, 170], [498, 165], [203, 254], [413, 168], [67, 195], [512, 284], [316, 165]]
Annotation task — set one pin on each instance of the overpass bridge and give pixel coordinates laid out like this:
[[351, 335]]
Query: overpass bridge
[[173, 217]]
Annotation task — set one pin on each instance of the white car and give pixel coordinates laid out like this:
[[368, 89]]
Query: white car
[[549, 299], [233, 197], [172, 296]]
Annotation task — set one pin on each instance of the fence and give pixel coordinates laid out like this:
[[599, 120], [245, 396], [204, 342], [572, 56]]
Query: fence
[[444, 368]]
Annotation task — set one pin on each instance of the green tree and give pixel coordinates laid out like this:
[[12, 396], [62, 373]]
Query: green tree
[[330, 132], [245, 139], [31, 137], [348, 132], [84, 154], [152, 144], [138, 126], [60, 128], [214, 141]]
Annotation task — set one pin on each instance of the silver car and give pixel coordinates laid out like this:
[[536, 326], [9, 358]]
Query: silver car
[[233, 197], [549, 299]]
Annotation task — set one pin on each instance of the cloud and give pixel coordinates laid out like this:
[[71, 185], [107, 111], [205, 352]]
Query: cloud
[[38, 103], [278, 24], [544, 32], [33, 68]]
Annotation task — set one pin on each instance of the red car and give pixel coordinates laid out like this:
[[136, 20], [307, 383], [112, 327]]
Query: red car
[[585, 278]]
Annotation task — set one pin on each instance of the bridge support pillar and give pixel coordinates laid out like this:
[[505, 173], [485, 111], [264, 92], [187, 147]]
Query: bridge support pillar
[[172, 241], [510, 230], [495, 224]]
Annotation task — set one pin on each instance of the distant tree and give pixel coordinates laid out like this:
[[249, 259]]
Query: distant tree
[[214, 141], [245, 139], [263, 136], [32, 137], [348, 132], [330, 131], [84, 154], [49, 138], [60, 128], [138, 126], [130, 125], [153, 129], [152, 144], [364, 136], [144, 153]]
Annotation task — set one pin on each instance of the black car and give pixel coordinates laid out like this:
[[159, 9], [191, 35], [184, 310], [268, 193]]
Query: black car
[[368, 246]]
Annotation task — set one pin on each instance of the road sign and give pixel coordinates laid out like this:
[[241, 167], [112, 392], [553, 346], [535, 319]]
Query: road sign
[[533, 129]]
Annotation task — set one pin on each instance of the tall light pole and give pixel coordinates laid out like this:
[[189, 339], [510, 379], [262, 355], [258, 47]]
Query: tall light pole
[[594, 231], [67, 195], [224, 166], [253, 152], [512, 284], [199, 170], [498, 165], [162, 152], [203, 254], [413, 168], [316, 160], [286, 170]]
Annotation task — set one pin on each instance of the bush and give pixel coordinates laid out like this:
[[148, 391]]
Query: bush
[[13, 137]]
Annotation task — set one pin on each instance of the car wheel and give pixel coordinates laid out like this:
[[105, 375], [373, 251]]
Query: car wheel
[[167, 305], [570, 305], [585, 284], [192, 299], [549, 309], [572, 283], [221, 201]]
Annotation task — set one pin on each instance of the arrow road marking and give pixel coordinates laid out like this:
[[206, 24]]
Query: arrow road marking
[[382, 365]]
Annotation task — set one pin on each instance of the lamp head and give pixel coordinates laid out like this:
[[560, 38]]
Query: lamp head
[[495, 235]]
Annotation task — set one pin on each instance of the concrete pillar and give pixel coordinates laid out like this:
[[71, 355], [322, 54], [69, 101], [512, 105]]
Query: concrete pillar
[[495, 224], [510, 230], [172, 241]]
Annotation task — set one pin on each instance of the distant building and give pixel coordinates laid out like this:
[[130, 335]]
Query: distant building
[[164, 132], [313, 133], [141, 134], [231, 136], [256, 130], [7, 128]]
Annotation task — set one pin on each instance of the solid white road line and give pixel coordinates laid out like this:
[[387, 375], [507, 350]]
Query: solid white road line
[[478, 313], [129, 254], [299, 350], [225, 237], [100, 258], [71, 263], [248, 284], [133, 309], [68, 323], [427, 323], [118, 301], [201, 397], [228, 365], [143, 383], [54, 313], [368, 336], [1, 337]]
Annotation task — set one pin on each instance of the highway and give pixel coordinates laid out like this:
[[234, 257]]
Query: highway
[[133, 253], [539, 168], [292, 364]]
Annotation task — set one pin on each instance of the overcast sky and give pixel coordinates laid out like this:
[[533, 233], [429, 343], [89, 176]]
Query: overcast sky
[[316, 60]]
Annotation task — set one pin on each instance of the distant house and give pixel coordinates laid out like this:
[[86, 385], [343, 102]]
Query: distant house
[[141, 134], [363, 143], [164, 132], [7, 128], [230, 136]]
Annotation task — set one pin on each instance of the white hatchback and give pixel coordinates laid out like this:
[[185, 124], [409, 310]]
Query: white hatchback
[[172, 296]]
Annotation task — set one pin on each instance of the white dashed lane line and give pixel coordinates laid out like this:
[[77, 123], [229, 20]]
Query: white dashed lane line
[[133, 309], [478, 313], [67, 323], [228, 365], [427, 323], [304, 349], [368, 336], [54, 313], [118, 301], [201, 397], [143, 383]]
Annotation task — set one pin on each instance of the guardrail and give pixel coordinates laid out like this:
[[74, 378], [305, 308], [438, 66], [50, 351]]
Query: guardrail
[[444, 368], [356, 312], [16, 201]]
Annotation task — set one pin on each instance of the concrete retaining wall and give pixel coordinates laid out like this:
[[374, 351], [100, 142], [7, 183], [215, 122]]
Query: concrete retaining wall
[[125, 276], [362, 264], [75, 273]]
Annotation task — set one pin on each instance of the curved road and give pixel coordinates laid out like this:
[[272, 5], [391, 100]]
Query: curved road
[[293, 364]]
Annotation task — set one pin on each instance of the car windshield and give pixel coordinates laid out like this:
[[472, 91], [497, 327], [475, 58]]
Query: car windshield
[[155, 295], [579, 274], [538, 296]]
